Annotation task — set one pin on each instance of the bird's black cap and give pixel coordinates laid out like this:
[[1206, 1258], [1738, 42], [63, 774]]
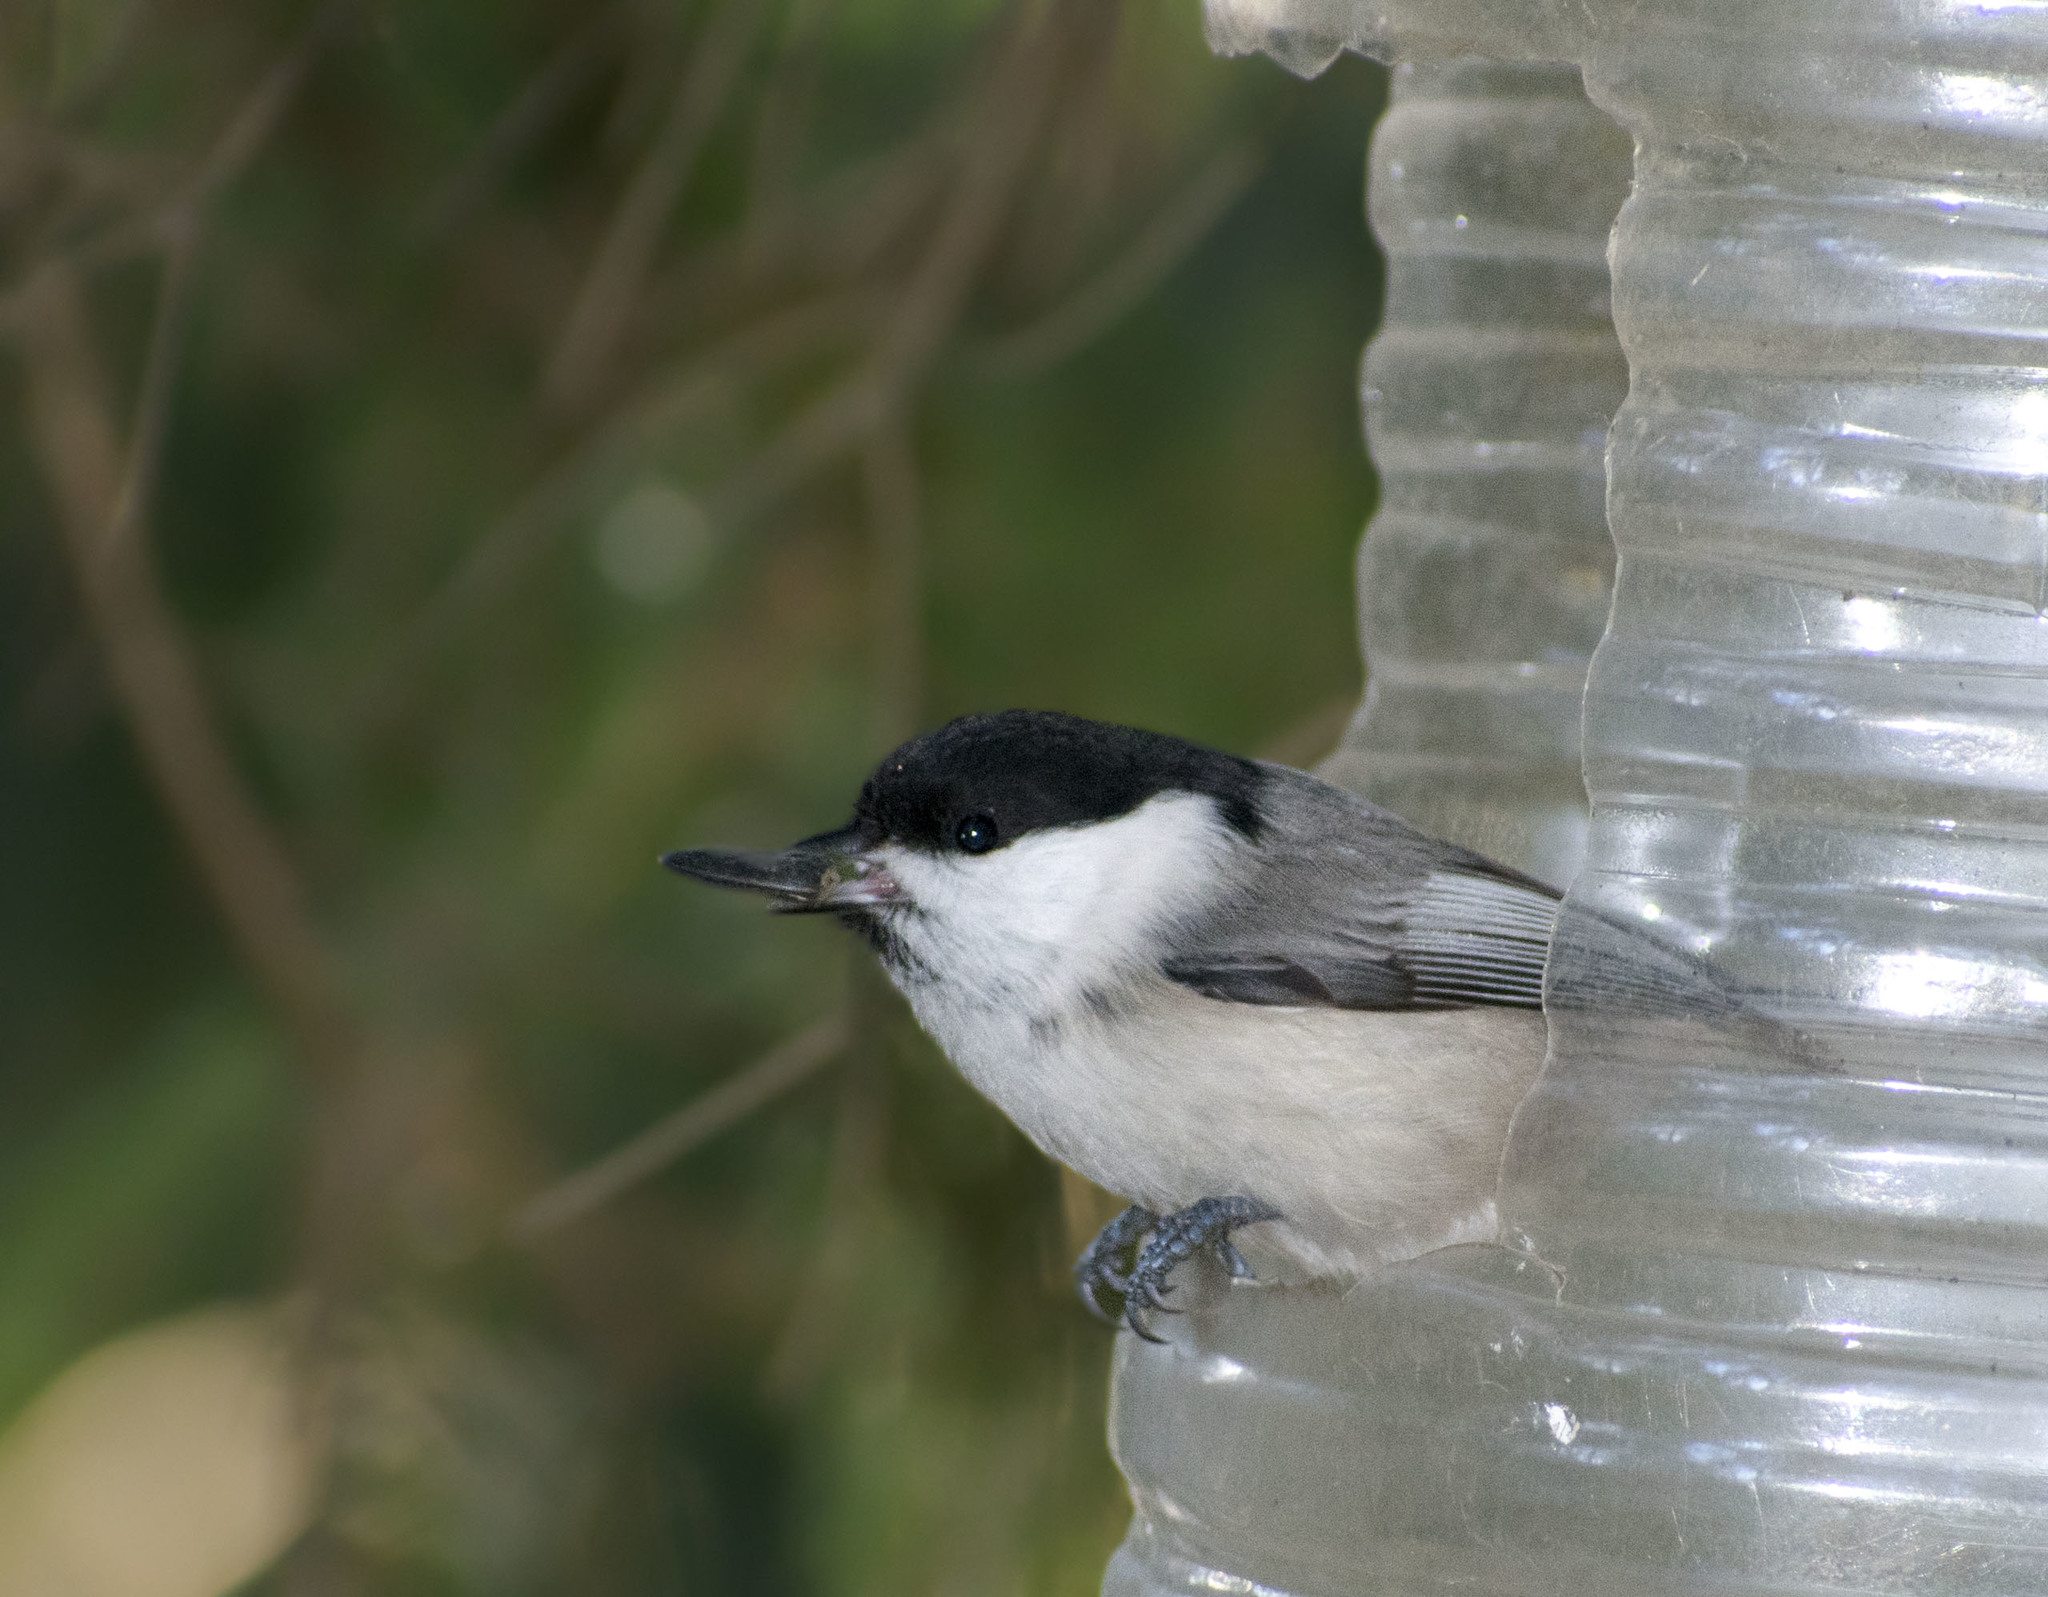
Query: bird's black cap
[[1027, 770]]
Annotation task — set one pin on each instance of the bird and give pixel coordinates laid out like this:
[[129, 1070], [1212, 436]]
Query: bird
[[1221, 988]]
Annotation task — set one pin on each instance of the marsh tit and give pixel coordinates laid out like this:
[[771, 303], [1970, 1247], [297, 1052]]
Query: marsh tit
[[1221, 988]]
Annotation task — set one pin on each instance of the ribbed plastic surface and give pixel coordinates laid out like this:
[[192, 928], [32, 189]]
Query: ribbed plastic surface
[[1787, 1333], [1483, 581]]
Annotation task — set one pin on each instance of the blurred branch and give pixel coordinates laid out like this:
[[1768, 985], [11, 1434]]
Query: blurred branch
[[889, 478], [114, 206], [532, 524], [102, 493], [860, 1142], [258, 116], [1104, 299], [614, 282], [840, 228], [782, 107], [160, 226], [151, 663], [932, 300], [926, 308], [930, 303], [91, 88], [129, 514], [669, 1139], [547, 97]]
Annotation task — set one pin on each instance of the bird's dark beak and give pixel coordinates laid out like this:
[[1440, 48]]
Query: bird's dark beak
[[832, 871]]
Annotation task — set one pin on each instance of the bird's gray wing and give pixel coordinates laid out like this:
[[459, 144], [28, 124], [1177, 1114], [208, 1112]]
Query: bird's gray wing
[[1457, 937], [1345, 905]]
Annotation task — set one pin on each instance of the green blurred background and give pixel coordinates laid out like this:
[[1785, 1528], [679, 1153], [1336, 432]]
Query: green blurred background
[[453, 452]]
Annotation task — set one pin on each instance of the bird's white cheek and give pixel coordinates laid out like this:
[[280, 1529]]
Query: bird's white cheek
[[970, 927], [1058, 913], [1007, 914]]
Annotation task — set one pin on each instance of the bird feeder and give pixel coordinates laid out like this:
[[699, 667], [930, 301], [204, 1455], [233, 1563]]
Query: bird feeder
[[1767, 1315]]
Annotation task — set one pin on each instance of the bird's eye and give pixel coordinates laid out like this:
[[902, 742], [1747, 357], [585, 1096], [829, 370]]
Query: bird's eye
[[976, 834]]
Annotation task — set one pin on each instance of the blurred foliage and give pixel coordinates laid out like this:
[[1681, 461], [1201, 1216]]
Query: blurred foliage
[[553, 433]]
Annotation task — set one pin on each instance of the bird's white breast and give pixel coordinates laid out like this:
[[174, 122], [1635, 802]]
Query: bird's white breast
[[1377, 1134]]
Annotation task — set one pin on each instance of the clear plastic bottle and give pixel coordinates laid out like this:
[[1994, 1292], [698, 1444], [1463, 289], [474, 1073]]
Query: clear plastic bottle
[[1483, 580], [1771, 1314]]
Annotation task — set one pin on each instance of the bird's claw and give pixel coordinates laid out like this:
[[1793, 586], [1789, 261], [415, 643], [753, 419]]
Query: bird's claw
[[1154, 1295], [1143, 1287], [1098, 1269]]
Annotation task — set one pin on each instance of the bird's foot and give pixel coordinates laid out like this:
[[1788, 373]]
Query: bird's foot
[[1207, 1224], [1103, 1263]]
